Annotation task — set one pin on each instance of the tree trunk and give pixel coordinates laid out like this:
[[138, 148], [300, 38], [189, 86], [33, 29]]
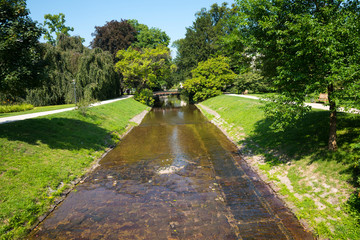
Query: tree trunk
[[332, 132]]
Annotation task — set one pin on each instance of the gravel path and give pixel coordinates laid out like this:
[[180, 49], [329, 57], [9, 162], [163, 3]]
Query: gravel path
[[313, 105], [40, 114]]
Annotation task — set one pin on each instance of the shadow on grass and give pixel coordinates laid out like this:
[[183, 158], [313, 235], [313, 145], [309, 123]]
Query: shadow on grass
[[57, 133], [309, 138]]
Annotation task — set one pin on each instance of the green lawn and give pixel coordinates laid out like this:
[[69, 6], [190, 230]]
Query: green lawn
[[41, 156], [317, 184], [37, 109]]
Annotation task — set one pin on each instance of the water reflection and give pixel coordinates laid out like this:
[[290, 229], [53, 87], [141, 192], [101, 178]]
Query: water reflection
[[175, 176]]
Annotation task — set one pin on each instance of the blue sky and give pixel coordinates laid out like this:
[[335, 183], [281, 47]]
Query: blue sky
[[83, 15]]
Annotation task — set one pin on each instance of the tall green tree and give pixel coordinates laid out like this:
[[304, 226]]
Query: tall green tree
[[200, 42], [145, 68], [92, 69], [55, 24], [112, 37], [148, 37], [20, 63], [96, 77], [305, 47], [209, 78]]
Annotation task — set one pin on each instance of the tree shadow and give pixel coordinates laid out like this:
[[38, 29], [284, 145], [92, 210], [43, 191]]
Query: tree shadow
[[308, 137], [57, 133], [304, 137]]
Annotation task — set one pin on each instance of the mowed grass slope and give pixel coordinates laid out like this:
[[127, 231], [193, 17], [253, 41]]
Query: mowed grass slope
[[40, 157], [320, 186]]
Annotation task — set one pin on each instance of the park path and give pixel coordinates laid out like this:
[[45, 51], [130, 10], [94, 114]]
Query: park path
[[40, 114], [175, 176], [312, 105]]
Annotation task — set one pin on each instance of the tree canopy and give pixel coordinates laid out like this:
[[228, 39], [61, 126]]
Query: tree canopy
[[304, 47], [92, 70], [114, 36], [55, 24], [20, 63], [148, 37], [209, 78], [202, 39], [145, 68]]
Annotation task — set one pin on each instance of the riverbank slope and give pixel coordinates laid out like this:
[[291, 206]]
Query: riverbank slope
[[43, 157], [319, 186]]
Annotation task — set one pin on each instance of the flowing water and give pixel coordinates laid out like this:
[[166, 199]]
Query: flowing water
[[175, 176]]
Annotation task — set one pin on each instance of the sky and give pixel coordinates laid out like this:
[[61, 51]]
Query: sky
[[171, 16]]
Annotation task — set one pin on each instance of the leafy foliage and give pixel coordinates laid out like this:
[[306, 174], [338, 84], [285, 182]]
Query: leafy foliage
[[148, 37], [145, 96], [15, 108], [55, 24], [114, 36], [20, 62], [250, 80], [69, 60], [209, 78], [145, 68], [312, 46], [200, 42]]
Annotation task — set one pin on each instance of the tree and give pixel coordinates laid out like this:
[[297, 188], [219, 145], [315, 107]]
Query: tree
[[145, 68], [305, 47], [114, 36], [55, 24], [250, 80], [200, 42], [20, 62], [209, 78], [148, 37], [92, 69], [96, 77]]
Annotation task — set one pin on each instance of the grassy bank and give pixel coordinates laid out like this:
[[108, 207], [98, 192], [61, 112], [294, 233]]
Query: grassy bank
[[41, 157], [37, 109], [318, 185]]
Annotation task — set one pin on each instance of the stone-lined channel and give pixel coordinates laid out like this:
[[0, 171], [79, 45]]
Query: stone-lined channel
[[175, 176]]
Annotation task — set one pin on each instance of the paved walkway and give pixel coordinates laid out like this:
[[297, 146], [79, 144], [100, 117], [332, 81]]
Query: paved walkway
[[312, 105], [40, 114]]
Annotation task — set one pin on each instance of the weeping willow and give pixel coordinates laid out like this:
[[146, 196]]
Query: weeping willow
[[70, 62]]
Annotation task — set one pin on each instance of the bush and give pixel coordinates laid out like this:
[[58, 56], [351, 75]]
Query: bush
[[251, 81], [145, 96], [209, 78], [15, 108], [84, 103]]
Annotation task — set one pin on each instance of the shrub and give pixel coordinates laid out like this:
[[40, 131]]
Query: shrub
[[15, 108], [145, 96], [209, 78], [251, 81], [84, 103]]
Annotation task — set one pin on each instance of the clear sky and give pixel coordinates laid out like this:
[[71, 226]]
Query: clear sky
[[171, 16]]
